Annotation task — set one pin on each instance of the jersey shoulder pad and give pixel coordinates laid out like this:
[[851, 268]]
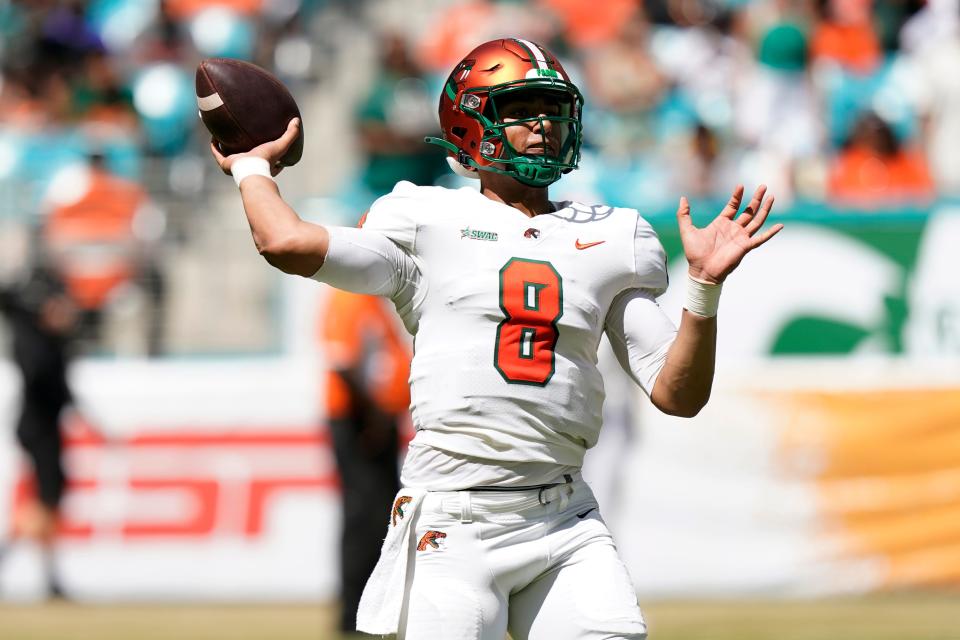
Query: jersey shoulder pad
[[397, 214], [650, 257], [580, 212], [422, 194]]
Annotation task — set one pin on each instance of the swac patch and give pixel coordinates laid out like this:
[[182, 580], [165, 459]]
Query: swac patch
[[431, 539], [531, 233], [397, 512], [476, 234]]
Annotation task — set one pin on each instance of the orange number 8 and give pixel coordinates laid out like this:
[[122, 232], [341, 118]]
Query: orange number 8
[[531, 298]]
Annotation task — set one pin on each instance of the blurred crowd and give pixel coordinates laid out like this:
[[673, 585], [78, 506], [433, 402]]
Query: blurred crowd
[[845, 103], [103, 164]]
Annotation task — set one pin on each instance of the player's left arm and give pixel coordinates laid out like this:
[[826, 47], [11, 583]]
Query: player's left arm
[[713, 252]]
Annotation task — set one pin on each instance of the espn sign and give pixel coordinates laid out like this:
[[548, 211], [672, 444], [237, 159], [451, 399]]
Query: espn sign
[[186, 484]]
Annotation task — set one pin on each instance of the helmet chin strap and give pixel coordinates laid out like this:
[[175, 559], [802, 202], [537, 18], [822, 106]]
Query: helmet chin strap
[[455, 165], [461, 170]]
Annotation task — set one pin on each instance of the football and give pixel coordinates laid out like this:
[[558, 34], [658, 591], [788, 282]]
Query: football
[[243, 106]]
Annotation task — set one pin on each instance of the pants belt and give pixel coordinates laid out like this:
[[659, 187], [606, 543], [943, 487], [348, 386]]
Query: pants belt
[[503, 500]]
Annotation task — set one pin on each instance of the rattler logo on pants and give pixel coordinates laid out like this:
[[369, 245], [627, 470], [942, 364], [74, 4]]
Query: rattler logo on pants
[[397, 512], [432, 539]]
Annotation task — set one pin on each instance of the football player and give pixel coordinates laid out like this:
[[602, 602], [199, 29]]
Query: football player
[[507, 293]]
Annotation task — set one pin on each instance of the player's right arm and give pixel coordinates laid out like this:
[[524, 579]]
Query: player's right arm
[[351, 259], [281, 237]]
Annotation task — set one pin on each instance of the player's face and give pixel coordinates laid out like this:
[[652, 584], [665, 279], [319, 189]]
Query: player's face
[[532, 137]]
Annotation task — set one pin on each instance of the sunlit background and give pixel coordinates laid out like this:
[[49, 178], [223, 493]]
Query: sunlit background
[[826, 465]]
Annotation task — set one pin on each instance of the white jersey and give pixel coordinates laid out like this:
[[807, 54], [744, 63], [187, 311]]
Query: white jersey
[[507, 313]]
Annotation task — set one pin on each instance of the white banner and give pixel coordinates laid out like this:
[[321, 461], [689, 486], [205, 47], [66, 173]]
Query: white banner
[[190, 480]]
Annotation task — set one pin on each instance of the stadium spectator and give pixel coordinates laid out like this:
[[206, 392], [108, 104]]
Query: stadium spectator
[[367, 398], [185, 9], [933, 23], [41, 316], [624, 80], [703, 165], [66, 34], [875, 170], [100, 99], [846, 36], [621, 74], [101, 241], [455, 28], [37, 101], [589, 24], [932, 42], [393, 120], [165, 40], [775, 112]]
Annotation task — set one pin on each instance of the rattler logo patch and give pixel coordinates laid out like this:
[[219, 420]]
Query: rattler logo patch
[[397, 513], [431, 539]]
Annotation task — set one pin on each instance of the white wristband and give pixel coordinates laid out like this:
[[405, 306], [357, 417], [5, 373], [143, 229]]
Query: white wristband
[[249, 166], [703, 298]]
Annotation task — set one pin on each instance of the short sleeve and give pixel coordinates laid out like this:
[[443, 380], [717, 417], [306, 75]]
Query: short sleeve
[[640, 334], [650, 259], [380, 257]]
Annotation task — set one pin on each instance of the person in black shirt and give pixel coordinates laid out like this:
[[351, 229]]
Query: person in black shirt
[[41, 317]]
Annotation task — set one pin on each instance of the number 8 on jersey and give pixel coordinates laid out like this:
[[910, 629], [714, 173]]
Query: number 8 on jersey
[[531, 298]]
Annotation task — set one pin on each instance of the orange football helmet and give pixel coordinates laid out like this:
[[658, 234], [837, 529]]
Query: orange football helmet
[[473, 131]]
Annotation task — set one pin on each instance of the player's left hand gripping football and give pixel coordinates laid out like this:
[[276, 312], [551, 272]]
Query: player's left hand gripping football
[[270, 151], [716, 250]]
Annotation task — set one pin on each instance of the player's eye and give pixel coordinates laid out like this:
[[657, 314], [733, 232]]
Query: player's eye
[[517, 111]]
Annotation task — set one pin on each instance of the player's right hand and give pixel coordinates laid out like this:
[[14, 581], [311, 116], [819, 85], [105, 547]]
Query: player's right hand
[[270, 151]]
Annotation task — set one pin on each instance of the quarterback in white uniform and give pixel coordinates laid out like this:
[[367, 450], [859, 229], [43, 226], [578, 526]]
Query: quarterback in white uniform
[[507, 294]]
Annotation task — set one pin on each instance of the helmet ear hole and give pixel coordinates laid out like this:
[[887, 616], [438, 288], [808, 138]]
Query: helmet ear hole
[[459, 132]]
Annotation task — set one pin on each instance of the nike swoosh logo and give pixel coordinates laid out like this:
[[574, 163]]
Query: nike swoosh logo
[[587, 245], [585, 513]]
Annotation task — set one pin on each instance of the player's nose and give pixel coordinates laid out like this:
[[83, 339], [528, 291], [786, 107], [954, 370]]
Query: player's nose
[[542, 125]]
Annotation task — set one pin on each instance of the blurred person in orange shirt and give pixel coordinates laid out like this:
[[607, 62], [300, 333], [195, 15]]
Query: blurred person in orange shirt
[[367, 395], [589, 24], [100, 241], [184, 9], [457, 28], [875, 170], [846, 36]]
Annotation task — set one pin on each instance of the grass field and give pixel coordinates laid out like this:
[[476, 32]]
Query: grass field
[[902, 617]]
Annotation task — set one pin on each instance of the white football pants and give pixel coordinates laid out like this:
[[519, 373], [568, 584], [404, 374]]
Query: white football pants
[[482, 563]]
